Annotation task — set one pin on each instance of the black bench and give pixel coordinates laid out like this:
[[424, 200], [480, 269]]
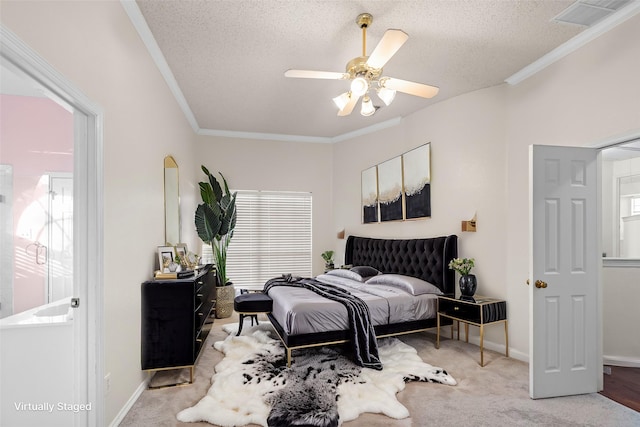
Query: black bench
[[251, 304]]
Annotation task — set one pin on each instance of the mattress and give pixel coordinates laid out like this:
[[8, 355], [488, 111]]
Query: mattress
[[301, 311]]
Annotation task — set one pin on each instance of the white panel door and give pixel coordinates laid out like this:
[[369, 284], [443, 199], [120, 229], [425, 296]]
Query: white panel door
[[564, 272]]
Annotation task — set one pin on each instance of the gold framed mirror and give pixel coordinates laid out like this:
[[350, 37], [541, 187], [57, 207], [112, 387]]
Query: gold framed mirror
[[171, 202]]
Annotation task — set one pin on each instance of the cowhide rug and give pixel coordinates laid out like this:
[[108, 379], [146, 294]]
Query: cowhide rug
[[322, 388]]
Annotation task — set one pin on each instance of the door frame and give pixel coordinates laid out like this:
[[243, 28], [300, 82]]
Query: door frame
[[88, 218]]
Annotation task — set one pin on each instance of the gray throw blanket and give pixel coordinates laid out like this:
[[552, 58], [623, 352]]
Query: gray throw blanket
[[363, 336]]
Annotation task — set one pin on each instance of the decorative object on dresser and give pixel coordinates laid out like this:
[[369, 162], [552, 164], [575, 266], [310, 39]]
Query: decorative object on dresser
[[215, 220], [166, 257], [321, 388], [174, 313], [478, 311], [468, 282], [171, 201]]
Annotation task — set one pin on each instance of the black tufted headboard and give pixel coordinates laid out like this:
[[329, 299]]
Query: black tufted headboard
[[427, 259]]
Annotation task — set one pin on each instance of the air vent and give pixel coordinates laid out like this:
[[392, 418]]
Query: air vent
[[588, 12]]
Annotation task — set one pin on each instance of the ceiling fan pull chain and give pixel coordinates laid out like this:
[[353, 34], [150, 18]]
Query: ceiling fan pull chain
[[364, 40]]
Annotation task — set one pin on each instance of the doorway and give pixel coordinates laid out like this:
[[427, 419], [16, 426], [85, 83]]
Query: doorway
[[83, 348]]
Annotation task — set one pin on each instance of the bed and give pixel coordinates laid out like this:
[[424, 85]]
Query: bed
[[302, 319]]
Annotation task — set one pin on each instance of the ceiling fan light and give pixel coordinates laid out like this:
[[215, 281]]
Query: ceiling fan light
[[386, 95], [359, 86], [367, 107], [342, 100]]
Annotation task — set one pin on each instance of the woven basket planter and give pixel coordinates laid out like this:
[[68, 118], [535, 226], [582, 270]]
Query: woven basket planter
[[224, 301]]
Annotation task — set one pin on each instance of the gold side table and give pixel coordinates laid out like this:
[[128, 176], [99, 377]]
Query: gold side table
[[478, 311]]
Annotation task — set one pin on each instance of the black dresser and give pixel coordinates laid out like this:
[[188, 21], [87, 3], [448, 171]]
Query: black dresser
[[176, 320]]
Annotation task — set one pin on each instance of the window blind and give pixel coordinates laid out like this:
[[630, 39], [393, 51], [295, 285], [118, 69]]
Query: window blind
[[272, 237]]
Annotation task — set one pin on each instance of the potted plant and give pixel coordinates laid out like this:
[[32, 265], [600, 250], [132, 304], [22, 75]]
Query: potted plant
[[468, 282], [327, 256], [215, 220]]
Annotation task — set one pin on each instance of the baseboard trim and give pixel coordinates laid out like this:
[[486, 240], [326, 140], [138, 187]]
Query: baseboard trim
[[497, 347], [627, 362], [132, 400]]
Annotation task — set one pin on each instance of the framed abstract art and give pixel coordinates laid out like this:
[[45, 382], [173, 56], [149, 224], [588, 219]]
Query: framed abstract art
[[416, 171], [390, 189], [370, 195]]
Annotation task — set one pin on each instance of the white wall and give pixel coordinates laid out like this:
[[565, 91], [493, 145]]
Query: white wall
[[480, 144], [589, 96], [620, 295], [94, 45], [467, 176], [277, 166]]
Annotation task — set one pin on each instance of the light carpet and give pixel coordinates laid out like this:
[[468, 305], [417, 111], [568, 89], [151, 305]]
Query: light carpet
[[322, 388], [494, 395]]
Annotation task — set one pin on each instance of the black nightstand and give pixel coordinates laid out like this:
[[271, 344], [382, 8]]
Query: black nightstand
[[479, 312]]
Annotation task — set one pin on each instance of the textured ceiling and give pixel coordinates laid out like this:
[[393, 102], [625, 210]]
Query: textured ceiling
[[228, 57]]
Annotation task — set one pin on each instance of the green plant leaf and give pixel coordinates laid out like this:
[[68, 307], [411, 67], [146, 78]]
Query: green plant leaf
[[207, 223]]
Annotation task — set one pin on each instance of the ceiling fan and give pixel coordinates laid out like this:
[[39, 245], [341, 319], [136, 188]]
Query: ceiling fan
[[366, 72]]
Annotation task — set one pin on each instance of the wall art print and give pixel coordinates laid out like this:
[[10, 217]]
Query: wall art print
[[390, 189], [370, 195], [417, 182]]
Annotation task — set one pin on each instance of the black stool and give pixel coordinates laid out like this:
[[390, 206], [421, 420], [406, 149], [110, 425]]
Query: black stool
[[251, 304]]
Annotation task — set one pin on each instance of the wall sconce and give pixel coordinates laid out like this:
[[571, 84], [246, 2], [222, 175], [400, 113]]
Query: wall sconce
[[470, 225], [341, 234]]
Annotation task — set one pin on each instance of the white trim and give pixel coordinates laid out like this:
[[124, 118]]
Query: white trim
[[301, 138], [576, 42], [88, 198], [620, 262], [624, 138], [264, 136], [140, 24], [366, 130], [132, 400], [628, 362]]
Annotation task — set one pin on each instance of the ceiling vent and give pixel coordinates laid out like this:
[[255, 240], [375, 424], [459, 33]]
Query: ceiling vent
[[588, 12]]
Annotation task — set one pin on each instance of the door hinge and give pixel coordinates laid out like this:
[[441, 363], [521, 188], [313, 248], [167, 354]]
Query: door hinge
[[75, 302]]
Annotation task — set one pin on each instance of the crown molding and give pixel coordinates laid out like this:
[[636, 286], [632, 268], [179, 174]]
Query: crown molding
[[576, 42], [140, 24], [367, 130], [264, 136]]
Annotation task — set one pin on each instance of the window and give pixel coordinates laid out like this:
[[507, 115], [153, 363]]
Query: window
[[272, 237], [635, 205]]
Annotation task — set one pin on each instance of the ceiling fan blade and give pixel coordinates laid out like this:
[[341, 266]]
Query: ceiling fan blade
[[349, 107], [386, 48], [412, 88], [308, 74]]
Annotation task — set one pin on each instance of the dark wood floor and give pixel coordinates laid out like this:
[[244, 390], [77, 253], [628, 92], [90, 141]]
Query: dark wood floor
[[623, 386]]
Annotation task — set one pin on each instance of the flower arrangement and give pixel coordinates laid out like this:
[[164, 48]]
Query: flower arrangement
[[462, 265]]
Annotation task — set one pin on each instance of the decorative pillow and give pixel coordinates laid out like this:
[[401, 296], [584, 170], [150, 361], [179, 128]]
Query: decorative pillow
[[365, 271], [348, 274], [409, 284]]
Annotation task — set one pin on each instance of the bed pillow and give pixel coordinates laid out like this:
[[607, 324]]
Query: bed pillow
[[365, 271], [348, 274], [409, 284]]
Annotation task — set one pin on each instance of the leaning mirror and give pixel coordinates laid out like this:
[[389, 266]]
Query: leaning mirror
[[171, 202]]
